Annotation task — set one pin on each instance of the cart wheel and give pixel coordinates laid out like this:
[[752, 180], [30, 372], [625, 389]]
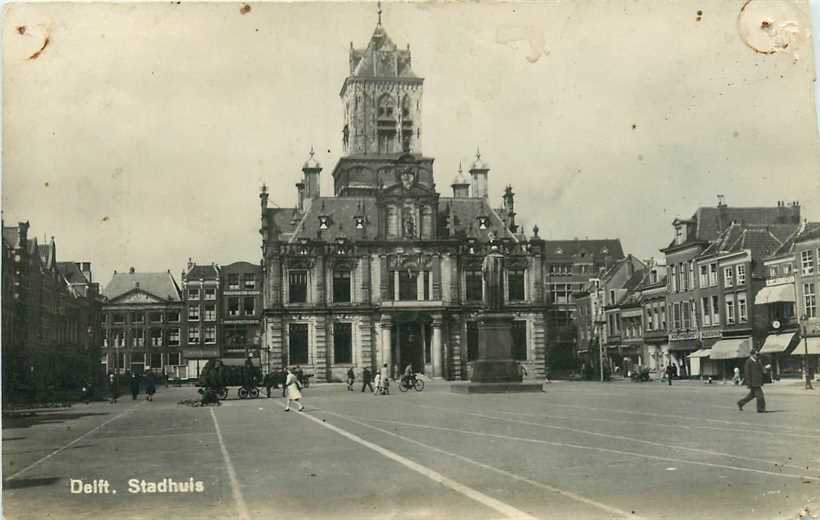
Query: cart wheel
[[254, 393], [403, 385], [243, 393], [223, 393], [419, 386]]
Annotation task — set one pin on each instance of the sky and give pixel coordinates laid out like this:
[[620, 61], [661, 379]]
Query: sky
[[141, 133]]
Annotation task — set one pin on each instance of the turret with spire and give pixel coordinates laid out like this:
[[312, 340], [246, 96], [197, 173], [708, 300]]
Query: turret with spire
[[479, 172]]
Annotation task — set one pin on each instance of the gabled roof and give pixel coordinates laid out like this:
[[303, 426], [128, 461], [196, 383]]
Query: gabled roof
[[761, 241], [282, 222], [382, 58], [577, 250], [11, 236], [72, 273], [47, 254], [161, 285], [808, 231]]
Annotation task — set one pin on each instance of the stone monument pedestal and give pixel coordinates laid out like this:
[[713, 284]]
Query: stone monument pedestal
[[495, 371]]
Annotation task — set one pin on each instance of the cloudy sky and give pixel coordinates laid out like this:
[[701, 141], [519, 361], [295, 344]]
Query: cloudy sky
[[140, 134]]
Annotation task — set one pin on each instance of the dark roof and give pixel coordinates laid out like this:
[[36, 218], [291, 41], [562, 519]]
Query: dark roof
[[761, 241], [364, 63], [808, 231], [593, 250], [465, 212], [282, 221], [341, 211], [72, 273], [241, 266], [202, 272], [712, 221], [161, 285]]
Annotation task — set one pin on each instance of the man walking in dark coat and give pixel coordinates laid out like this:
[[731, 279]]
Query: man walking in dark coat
[[670, 371], [753, 377], [366, 379]]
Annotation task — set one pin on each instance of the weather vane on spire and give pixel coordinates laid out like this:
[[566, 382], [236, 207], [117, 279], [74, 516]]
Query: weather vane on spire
[[380, 13]]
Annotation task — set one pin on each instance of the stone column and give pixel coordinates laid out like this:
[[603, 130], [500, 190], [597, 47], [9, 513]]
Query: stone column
[[384, 279], [435, 295], [321, 350], [387, 353], [436, 347], [364, 283]]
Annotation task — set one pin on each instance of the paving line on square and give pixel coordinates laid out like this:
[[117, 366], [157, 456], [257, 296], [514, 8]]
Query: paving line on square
[[67, 445], [505, 509], [652, 414], [611, 436], [567, 494], [777, 435], [241, 507], [596, 448]]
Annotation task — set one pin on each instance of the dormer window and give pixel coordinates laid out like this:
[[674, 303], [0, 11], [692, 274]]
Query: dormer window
[[559, 251], [605, 251], [358, 222], [679, 234], [483, 222], [324, 222]]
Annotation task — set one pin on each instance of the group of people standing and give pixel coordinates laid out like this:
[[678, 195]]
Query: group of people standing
[[135, 383], [381, 380]]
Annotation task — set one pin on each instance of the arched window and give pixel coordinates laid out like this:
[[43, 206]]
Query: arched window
[[392, 222]]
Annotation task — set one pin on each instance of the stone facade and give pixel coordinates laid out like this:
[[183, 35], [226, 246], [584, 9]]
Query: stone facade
[[388, 270]]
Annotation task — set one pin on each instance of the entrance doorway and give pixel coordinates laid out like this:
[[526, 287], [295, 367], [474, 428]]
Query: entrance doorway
[[412, 344]]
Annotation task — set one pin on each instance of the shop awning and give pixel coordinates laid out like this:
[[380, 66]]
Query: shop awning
[[777, 343], [689, 344], [813, 346], [774, 294], [731, 348], [701, 353]]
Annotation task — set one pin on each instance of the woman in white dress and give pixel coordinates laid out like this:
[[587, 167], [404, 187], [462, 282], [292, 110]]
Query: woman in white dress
[[292, 387]]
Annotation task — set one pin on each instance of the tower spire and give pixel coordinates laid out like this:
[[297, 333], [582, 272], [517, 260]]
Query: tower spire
[[380, 13]]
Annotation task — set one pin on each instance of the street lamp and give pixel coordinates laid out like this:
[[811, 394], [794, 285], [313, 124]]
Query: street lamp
[[804, 330]]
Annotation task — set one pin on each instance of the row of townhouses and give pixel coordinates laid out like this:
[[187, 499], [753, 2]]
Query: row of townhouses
[[51, 318], [150, 322], [733, 280]]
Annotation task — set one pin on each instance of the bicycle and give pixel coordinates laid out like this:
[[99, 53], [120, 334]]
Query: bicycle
[[408, 382], [246, 392]]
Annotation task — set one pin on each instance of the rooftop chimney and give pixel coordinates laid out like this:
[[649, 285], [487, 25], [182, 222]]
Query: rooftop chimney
[[479, 172], [131, 270]]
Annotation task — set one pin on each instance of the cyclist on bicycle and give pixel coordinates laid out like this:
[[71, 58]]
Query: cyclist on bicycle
[[409, 375]]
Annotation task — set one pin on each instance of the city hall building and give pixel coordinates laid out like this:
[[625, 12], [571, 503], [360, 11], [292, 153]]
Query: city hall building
[[386, 269]]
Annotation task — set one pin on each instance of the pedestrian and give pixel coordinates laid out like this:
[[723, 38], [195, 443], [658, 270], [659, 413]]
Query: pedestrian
[[670, 371], [351, 378], [113, 387], [292, 386], [753, 377], [366, 379], [269, 382], [134, 386], [150, 386], [378, 382], [385, 379], [736, 376], [522, 372]]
